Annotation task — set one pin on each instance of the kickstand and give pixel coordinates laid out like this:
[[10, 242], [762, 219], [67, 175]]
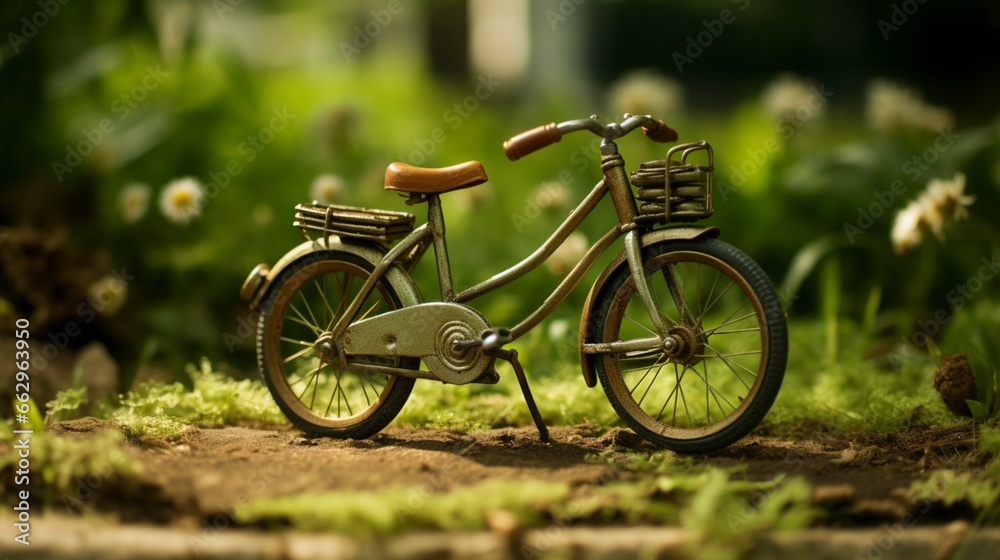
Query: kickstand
[[511, 356]]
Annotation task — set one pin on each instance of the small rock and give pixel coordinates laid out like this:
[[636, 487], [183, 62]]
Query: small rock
[[503, 522], [846, 456], [951, 537], [832, 494]]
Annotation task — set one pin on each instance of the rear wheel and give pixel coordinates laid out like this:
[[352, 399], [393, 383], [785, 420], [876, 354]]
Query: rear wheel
[[299, 361], [720, 379]]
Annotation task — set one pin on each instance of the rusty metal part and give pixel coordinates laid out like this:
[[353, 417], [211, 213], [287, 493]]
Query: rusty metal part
[[675, 189], [428, 331], [255, 280], [620, 346], [633, 253], [686, 348], [435, 219], [613, 167], [408, 178], [353, 223]]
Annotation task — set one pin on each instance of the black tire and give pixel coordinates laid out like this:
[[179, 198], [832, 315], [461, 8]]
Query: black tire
[[752, 373], [324, 284]]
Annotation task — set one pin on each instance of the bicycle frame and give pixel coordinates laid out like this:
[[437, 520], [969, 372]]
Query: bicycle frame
[[410, 250]]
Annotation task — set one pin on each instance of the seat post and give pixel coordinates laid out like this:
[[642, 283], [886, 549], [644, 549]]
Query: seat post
[[435, 217]]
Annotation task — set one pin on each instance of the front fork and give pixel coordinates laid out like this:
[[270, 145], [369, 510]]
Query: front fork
[[675, 339], [613, 167]]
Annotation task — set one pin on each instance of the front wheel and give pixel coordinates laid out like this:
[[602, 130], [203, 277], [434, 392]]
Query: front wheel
[[720, 379]]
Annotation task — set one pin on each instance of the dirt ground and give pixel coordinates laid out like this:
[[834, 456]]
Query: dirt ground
[[184, 483]]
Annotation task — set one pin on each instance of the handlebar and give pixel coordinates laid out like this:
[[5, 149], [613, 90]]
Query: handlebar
[[539, 137]]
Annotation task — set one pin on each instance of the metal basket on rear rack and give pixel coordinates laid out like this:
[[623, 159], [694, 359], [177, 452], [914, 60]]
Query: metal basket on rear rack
[[678, 191], [352, 222]]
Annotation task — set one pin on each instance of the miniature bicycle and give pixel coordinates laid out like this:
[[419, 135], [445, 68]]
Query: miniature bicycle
[[685, 332]]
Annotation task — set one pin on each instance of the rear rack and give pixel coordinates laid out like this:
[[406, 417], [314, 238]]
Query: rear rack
[[687, 186], [352, 222]]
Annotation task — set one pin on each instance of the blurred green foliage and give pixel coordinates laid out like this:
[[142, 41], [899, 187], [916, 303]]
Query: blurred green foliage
[[255, 105]]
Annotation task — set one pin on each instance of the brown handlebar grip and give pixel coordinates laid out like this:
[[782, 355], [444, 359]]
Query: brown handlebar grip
[[660, 132], [531, 140]]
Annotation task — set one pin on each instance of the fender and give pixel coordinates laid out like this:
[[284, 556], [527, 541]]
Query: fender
[[588, 323], [406, 289]]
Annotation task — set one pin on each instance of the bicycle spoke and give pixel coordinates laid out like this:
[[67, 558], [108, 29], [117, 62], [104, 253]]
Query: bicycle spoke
[[302, 320], [717, 299], [636, 323], [296, 341], [297, 355], [734, 331], [309, 309], [650, 368], [365, 390], [655, 375], [730, 363], [313, 376], [347, 401], [312, 402], [729, 320], [709, 389], [344, 290], [677, 295], [708, 299], [733, 321], [729, 355], [370, 309], [678, 378], [326, 302]]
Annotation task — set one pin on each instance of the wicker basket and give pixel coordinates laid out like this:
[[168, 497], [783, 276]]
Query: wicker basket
[[353, 222], [682, 195]]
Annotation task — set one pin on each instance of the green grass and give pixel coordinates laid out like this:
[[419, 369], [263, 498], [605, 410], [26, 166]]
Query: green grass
[[60, 465], [713, 502], [853, 394], [164, 410]]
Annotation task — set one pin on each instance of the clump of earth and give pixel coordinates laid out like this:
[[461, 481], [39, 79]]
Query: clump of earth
[[956, 383]]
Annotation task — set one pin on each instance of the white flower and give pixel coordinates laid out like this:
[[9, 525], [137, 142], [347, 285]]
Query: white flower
[[788, 95], [568, 254], [907, 230], [182, 199], [645, 92], [551, 195], [891, 107], [949, 196], [943, 199], [327, 188], [134, 200], [107, 295]]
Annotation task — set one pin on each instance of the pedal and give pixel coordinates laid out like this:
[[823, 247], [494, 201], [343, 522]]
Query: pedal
[[488, 339], [495, 338]]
